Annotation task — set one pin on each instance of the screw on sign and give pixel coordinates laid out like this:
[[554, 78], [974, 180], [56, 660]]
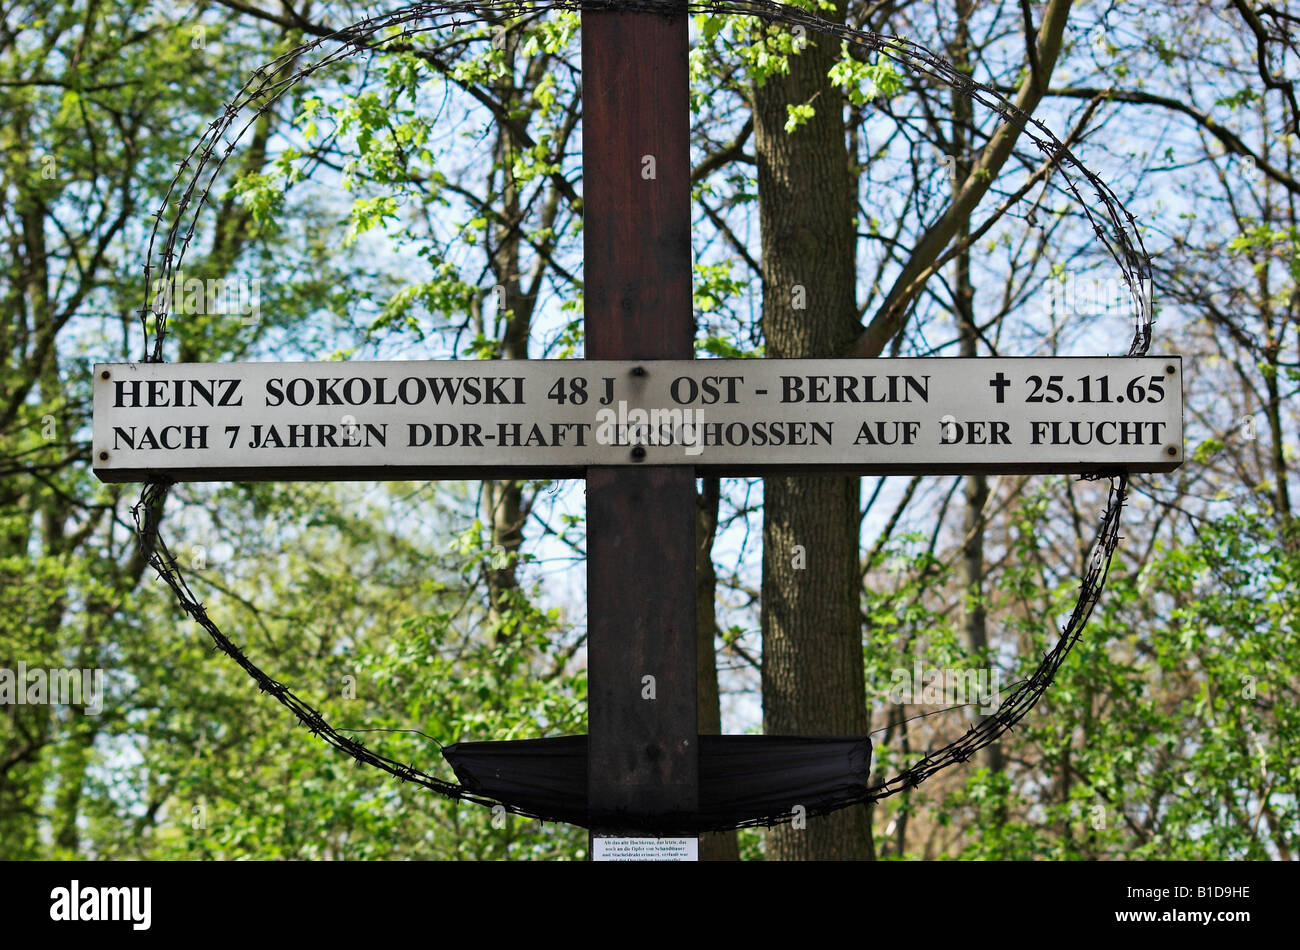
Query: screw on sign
[[637, 419]]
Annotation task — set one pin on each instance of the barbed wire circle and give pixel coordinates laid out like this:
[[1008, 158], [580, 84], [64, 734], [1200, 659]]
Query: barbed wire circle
[[1114, 227]]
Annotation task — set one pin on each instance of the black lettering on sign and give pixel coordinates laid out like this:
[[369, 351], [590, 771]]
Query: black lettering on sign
[[855, 389], [168, 437], [708, 391], [181, 394], [888, 433], [443, 434], [318, 435], [1107, 432], [514, 435], [763, 433], [992, 432], [382, 391]]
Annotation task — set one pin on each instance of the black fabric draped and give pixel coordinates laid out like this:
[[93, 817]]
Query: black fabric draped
[[744, 780]]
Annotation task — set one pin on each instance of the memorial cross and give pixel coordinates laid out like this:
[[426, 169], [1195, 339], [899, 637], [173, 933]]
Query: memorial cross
[[637, 419]]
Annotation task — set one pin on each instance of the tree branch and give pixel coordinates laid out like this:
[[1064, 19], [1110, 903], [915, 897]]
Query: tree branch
[[889, 318]]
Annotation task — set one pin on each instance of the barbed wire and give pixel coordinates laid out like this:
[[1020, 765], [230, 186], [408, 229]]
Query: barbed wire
[[1114, 227]]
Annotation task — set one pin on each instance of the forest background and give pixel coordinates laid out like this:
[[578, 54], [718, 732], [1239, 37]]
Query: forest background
[[426, 203]]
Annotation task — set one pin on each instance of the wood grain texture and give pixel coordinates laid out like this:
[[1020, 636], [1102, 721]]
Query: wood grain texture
[[640, 521]]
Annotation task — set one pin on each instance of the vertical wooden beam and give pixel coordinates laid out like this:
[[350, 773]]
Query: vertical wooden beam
[[640, 521]]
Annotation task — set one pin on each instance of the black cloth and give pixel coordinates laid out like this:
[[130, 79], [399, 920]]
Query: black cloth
[[744, 780]]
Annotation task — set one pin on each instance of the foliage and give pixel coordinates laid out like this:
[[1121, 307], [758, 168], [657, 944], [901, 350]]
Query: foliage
[[427, 202]]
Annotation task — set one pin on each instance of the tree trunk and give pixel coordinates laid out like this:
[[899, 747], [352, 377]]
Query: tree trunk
[[976, 489], [812, 638], [722, 846], [504, 499]]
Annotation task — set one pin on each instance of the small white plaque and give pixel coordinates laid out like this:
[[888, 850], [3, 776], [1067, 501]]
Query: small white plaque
[[646, 849]]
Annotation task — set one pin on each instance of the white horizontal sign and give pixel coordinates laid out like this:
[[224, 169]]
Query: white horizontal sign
[[609, 848], [479, 419]]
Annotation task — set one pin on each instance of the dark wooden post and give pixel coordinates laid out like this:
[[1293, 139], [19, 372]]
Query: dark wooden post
[[640, 521]]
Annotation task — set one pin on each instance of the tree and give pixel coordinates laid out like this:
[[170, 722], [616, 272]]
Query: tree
[[812, 648], [85, 88]]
